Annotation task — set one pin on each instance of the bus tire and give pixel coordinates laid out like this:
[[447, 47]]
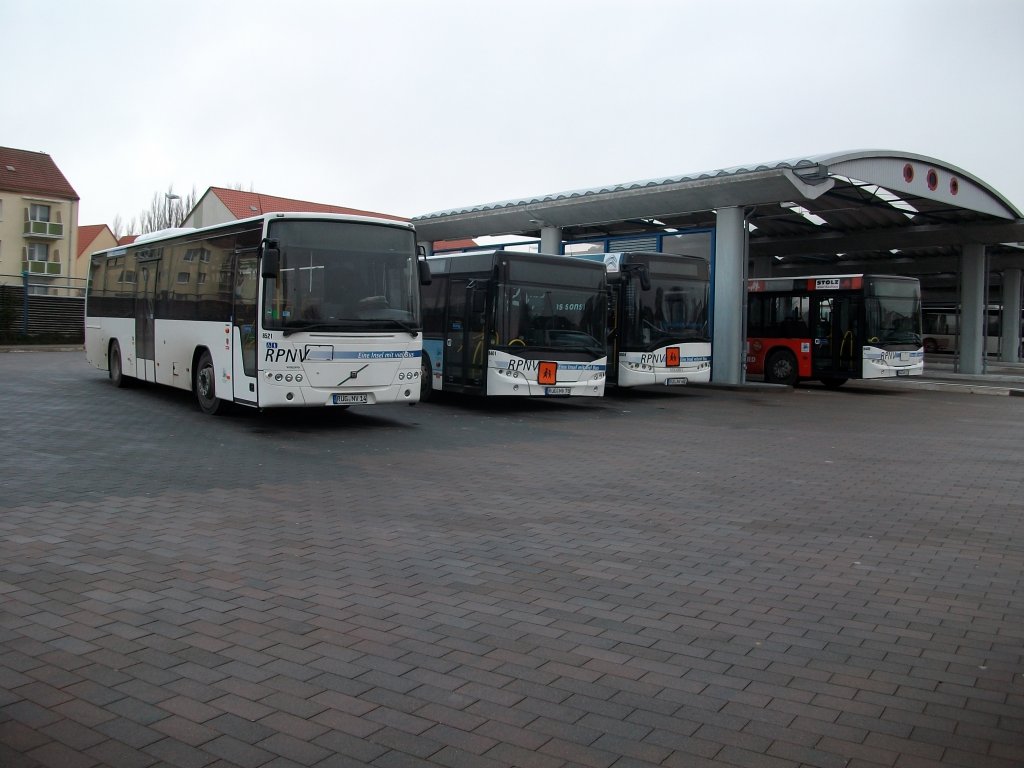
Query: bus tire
[[426, 379], [204, 386], [834, 382], [117, 375], [781, 368]]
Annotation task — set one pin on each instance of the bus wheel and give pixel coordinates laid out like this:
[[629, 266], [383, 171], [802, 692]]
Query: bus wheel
[[781, 368], [426, 379], [205, 387], [833, 383], [117, 376]]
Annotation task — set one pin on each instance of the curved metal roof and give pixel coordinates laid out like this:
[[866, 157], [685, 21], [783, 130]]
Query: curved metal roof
[[860, 205], [875, 166]]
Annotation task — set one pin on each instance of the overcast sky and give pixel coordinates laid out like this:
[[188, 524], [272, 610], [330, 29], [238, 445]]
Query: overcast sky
[[410, 107]]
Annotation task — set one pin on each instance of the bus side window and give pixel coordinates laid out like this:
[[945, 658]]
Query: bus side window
[[823, 329]]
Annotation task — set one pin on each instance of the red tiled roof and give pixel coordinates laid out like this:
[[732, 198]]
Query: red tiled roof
[[245, 204], [126, 239], [33, 173], [87, 233], [454, 245]]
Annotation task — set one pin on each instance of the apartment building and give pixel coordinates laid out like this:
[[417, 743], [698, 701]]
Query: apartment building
[[38, 221]]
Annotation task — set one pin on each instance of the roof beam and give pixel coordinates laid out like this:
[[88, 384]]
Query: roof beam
[[926, 236], [642, 200]]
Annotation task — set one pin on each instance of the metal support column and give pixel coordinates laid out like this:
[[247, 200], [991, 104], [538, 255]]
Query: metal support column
[[1010, 342], [972, 312], [551, 240], [728, 278]]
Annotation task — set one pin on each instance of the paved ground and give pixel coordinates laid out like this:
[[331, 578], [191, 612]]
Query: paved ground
[[752, 578]]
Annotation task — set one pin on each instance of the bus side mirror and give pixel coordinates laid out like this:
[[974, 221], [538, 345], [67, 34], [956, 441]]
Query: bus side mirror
[[645, 277], [271, 261], [425, 278]]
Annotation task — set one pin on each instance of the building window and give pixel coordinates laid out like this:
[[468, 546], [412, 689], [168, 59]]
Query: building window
[[197, 253], [182, 277], [38, 212], [577, 249], [38, 251]]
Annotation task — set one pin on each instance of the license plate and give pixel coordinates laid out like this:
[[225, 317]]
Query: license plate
[[902, 373], [350, 399], [675, 382], [557, 391]]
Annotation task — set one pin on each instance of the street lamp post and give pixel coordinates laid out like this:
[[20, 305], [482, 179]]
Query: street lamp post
[[170, 196]]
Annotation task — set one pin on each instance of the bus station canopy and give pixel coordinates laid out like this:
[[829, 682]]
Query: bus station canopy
[[870, 210]]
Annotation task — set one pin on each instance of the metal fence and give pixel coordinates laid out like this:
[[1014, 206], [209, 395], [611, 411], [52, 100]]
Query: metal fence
[[37, 309]]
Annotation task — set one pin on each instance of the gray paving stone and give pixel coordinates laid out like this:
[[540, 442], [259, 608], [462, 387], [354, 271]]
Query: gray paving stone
[[689, 578]]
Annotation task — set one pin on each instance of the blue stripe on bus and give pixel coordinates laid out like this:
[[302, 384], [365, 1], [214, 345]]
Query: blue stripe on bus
[[581, 367], [316, 355]]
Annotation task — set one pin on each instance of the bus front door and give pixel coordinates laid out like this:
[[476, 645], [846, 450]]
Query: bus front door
[[145, 315], [246, 293], [837, 344], [465, 350]]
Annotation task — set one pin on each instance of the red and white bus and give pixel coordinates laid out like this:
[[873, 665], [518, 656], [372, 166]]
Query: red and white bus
[[834, 328]]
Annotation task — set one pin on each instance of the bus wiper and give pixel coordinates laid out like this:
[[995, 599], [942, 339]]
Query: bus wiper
[[354, 322], [404, 326], [314, 327], [591, 350]]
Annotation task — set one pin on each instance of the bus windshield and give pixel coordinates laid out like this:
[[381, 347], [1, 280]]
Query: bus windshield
[[338, 275], [553, 316], [673, 310], [893, 313]]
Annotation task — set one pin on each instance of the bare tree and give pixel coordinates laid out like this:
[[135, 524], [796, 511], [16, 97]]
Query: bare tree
[[120, 227], [166, 210]]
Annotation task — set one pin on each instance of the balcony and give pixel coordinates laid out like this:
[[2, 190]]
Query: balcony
[[46, 229], [50, 268]]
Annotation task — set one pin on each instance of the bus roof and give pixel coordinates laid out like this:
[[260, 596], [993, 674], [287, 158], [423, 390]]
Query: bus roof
[[175, 232], [821, 282], [476, 260]]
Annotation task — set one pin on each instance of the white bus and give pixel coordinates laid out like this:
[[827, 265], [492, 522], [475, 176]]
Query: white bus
[[657, 318], [513, 323], [942, 328], [279, 310]]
